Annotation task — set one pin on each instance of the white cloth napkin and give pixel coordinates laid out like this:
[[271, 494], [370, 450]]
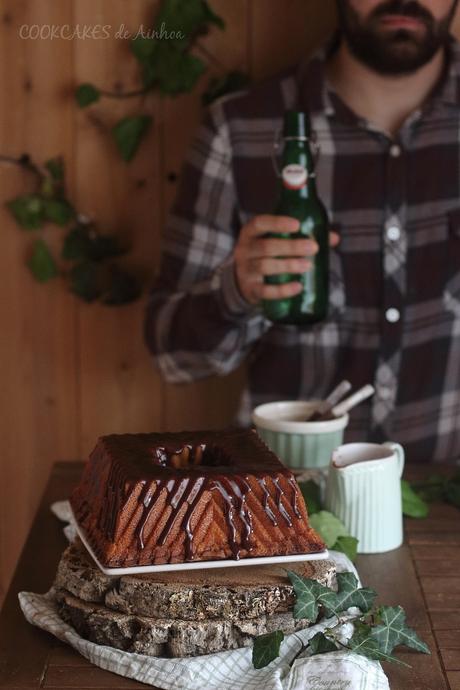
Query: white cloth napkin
[[232, 670]]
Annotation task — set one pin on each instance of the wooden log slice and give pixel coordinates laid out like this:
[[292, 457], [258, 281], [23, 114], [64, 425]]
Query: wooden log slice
[[231, 593], [167, 638]]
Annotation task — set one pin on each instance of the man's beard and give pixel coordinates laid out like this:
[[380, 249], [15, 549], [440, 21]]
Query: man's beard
[[394, 52]]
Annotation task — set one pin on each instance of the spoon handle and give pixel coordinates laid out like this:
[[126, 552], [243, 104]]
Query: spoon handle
[[332, 399], [338, 393], [347, 404]]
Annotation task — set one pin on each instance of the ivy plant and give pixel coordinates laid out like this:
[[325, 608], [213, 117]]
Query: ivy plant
[[437, 487], [87, 256], [377, 630], [168, 65]]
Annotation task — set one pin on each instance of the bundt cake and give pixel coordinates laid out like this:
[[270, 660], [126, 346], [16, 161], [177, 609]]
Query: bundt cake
[[156, 498]]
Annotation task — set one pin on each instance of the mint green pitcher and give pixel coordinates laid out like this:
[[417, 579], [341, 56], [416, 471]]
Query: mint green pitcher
[[364, 491]]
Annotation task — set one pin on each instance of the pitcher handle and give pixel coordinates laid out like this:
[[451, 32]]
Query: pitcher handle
[[398, 450]]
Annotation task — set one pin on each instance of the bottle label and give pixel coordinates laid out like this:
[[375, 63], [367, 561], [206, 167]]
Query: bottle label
[[294, 176]]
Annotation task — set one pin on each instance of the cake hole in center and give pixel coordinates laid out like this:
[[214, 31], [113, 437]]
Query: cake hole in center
[[189, 456]]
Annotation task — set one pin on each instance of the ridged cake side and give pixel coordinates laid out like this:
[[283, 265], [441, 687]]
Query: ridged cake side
[[141, 514]]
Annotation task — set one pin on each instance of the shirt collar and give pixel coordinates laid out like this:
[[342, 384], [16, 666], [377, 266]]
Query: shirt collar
[[448, 89], [316, 98]]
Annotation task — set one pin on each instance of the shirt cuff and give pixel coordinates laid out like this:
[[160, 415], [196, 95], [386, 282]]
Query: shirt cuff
[[236, 306]]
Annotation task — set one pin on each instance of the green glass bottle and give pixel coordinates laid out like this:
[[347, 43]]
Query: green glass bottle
[[298, 198]]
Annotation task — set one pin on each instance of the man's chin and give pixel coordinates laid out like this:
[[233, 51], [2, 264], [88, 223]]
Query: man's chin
[[400, 53]]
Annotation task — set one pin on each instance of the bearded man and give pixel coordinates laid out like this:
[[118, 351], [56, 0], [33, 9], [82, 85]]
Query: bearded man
[[384, 102]]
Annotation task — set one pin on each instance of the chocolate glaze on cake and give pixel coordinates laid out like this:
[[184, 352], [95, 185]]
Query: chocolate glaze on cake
[[203, 495]]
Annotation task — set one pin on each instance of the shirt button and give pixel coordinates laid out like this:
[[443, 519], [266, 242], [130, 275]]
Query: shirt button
[[393, 233], [392, 315], [384, 393], [395, 150]]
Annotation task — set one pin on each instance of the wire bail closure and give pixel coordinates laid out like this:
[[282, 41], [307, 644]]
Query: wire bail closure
[[277, 142]]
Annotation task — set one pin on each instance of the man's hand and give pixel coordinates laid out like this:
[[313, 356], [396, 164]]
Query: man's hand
[[257, 255]]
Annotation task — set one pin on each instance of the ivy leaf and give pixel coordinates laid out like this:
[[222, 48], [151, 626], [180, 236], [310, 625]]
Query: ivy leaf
[[85, 281], [128, 134], [412, 504], [105, 247], [394, 631], [266, 648], [86, 94], [308, 596], [311, 492], [143, 48], [213, 18], [348, 594], [221, 86], [362, 643], [123, 287], [348, 546], [77, 244], [42, 263], [320, 644], [55, 167], [183, 20], [47, 187], [173, 71], [58, 211], [329, 527], [83, 242], [452, 490], [432, 489], [27, 210]]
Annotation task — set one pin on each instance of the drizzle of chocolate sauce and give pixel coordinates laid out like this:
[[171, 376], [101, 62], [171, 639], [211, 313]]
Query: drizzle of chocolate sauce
[[202, 467]]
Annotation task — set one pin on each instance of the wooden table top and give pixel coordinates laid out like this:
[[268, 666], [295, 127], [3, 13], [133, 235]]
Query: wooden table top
[[423, 576]]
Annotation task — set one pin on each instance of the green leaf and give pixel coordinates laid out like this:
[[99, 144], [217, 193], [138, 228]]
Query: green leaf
[[77, 244], [221, 86], [412, 504], [27, 210], [312, 496], [172, 71], [266, 648], [348, 546], [362, 643], [123, 287], [329, 527], [320, 644], [58, 211], [85, 281], [143, 48], [106, 247], [452, 492], [42, 263], [55, 167], [47, 187], [128, 134], [348, 594], [87, 94], [431, 489], [184, 20], [83, 242], [394, 631], [212, 17], [308, 596]]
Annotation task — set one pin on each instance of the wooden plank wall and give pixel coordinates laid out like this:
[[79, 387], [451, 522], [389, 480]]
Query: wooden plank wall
[[69, 371]]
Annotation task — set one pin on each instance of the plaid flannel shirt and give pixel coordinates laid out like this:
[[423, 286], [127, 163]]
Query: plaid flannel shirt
[[394, 317]]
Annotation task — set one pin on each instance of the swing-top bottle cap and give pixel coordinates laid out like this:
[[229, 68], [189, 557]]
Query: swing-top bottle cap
[[296, 125]]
